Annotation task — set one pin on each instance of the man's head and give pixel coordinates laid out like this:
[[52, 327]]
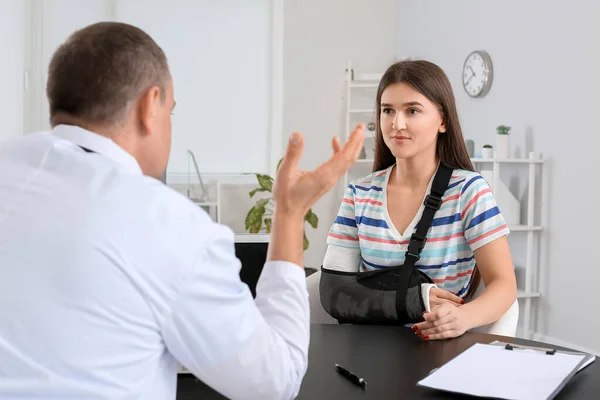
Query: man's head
[[113, 79]]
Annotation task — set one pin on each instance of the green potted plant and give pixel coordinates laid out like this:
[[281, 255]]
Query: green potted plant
[[487, 151], [502, 141], [260, 216]]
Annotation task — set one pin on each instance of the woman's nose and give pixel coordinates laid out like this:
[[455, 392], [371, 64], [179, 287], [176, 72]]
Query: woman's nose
[[399, 122]]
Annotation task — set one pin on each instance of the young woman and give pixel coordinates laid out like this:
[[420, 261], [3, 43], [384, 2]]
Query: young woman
[[417, 129]]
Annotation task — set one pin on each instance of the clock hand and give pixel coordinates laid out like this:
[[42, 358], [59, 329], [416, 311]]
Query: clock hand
[[468, 80]]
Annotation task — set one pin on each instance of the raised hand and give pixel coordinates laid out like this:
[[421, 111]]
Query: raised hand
[[295, 191]]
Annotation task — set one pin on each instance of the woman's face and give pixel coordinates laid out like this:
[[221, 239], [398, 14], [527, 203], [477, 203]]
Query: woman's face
[[409, 121]]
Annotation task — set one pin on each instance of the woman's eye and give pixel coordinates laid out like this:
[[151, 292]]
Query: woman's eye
[[412, 111], [388, 110]]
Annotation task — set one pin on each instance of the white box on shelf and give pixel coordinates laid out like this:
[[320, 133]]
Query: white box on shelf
[[507, 202]]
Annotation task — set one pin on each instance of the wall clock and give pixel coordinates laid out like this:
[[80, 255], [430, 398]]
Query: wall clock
[[477, 74]]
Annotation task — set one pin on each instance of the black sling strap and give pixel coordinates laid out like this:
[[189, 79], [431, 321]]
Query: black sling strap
[[433, 201]]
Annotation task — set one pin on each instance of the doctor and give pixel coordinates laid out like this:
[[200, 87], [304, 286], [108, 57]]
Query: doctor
[[108, 278]]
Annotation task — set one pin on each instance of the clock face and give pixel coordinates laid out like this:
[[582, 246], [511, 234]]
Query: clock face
[[477, 74]]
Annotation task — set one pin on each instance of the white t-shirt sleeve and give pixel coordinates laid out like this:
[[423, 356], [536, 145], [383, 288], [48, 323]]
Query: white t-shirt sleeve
[[343, 231], [342, 258], [480, 216]]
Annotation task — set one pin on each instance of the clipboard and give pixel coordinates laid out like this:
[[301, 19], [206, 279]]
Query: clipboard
[[508, 371], [590, 358]]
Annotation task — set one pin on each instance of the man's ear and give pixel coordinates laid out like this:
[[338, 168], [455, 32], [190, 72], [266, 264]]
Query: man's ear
[[148, 105]]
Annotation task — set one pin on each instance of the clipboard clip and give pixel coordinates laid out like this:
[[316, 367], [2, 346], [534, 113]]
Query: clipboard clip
[[548, 351]]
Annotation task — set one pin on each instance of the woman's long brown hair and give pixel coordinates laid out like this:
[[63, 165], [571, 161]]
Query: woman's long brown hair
[[429, 80]]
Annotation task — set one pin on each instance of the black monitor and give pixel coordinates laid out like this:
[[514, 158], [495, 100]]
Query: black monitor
[[251, 250]]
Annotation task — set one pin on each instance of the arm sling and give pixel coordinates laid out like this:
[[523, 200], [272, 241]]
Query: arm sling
[[386, 296]]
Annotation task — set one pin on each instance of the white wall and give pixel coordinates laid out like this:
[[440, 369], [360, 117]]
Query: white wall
[[220, 58], [319, 38], [12, 29], [547, 87], [219, 55], [58, 20]]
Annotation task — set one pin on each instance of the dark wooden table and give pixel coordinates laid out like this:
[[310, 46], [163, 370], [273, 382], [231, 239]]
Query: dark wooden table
[[392, 360]]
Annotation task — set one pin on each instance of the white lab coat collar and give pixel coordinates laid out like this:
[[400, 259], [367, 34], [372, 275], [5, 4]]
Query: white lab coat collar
[[98, 144]]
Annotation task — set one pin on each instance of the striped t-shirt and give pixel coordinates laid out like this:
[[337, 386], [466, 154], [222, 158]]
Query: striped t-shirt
[[467, 219]]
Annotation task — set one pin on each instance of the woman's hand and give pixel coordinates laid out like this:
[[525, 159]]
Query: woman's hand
[[446, 321], [438, 296]]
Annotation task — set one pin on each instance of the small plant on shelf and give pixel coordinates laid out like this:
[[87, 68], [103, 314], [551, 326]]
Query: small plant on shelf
[[487, 151], [503, 130], [260, 216]]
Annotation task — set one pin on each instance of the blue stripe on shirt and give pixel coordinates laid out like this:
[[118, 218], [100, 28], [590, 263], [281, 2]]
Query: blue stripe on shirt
[[452, 185], [446, 220], [345, 221], [379, 223], [366, 189], [462, 291], [471, 182], [370, 264], [483, 216], [453, 262]]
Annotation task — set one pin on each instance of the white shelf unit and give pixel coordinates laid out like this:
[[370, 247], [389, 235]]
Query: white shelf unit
[[189, 186], [530, 290], [368, 83]]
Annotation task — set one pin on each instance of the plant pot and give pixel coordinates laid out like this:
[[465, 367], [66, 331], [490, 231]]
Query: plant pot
[[502, 146], [487, 153], [470, 147]]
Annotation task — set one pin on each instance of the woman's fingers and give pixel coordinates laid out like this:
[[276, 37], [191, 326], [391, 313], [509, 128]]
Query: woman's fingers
[[444, 335], [444, 294]]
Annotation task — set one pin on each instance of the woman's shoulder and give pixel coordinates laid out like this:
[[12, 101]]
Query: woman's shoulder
[[372, 182], [462, 180]]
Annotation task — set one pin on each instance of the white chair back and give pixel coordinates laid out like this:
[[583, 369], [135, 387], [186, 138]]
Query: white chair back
[[506, 325]]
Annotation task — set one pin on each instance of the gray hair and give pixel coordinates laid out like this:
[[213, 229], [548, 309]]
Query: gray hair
[[99, 72]]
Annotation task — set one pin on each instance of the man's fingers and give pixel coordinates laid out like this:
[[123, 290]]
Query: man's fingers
[[355, 141], [330, 172], [293, 152], [343, 159], [336, 145]]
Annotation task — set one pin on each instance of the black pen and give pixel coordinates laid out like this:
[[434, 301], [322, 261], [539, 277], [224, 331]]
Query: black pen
[[350, 376]]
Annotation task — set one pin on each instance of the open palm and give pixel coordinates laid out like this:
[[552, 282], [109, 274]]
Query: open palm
[[295, 190]]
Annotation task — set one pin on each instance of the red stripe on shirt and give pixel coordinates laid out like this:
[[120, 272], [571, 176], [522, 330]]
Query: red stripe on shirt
[[473, 200], [487, 234], [452, 278], [349, 201], [335, 235], [379, 240], [453, 197], [442, 238], [375, 202]]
